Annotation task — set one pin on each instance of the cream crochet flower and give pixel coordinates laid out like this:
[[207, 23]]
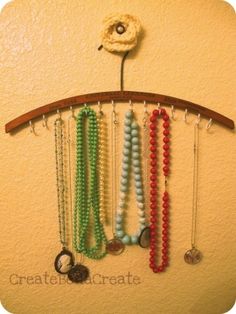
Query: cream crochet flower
[[120, 32]]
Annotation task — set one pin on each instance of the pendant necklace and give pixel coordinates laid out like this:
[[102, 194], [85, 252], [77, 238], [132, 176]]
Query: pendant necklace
[[131, 157], [153, 191], [114, 246], [64, 260], [144, 238], [87, 191], [194, 256], [78, 273]]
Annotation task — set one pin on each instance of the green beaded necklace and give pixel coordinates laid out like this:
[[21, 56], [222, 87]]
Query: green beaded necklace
[[86, 194]]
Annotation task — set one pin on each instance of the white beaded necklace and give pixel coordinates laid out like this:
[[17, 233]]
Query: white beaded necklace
[[131, 156]]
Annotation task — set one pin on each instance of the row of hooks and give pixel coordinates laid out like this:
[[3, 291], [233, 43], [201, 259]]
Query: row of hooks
[[173, 117]]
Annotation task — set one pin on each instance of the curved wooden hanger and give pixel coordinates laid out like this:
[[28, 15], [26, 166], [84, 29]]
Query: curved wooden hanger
[[118, 96]]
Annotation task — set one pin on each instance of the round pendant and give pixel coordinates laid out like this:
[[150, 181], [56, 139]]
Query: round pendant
[[144, 238], [64, 261], [78, 273], [115, 246], [193, 256]]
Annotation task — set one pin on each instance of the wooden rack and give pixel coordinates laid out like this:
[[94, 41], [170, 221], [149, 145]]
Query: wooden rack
[[117, 96]]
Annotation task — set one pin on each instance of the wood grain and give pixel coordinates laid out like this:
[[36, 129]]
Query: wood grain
[[118, 96]]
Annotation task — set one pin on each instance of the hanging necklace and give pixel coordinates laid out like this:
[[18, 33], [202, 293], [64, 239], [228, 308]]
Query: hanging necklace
[[153, 191], [131, 156], [194, 256], [114, 246], [64, 260], [144, 238], [86, 193], [78, 273]]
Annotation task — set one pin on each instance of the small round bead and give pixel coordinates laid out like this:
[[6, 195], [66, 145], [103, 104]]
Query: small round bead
[[165, 212], [134, 239], [166, 132], [137, 170], [135, 148], [134, 140], [166, 147], [139, 191], [153, 148], [163, 111], [124, 174], [155, 112], [135, 155], [153, 177], [126, 239], [125, 166], [121, 204], [142, 220], [126, 152], [166, 153], [152, 119], [153, 170], [153, 219], [136, 163], [165, 117], [153, 163], [153, 212], [166, 161], [152, 126], [123, 188], [127, 144], [127, 129], [119, 233], [166, 169], [165, 205], [129, 114], [134, 125], [119, 219], [166, 124], [120, 211], [134, 132], [153, 156], [124, 181], [152, 199], [127, 122], [152, 141], [153, 192], [127, 137], [140, 205], [139, 198], [166, 139], [141, 213], [153, 185], [153, 134], [118, 227], [153, 205]]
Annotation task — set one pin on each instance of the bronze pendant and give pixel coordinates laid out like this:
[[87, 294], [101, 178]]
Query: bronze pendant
[[64, 261], [193, 256], [115, 246], [78, 273], [144, 238]]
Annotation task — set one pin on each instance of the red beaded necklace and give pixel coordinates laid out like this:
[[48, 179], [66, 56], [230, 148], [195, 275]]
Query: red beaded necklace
[[153, 191]]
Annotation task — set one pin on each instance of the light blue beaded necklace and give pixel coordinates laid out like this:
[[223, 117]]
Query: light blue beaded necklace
[[131, 157]]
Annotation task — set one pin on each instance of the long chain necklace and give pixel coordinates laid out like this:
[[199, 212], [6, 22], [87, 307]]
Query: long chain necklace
[[114, 246], [194, 256], [64, 260], [153, 191], [86, 195], [131, 152]]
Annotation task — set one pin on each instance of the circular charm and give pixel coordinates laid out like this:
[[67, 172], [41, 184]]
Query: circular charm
[[78, 273], [63, 262], [115, 246], [144, 238], [193, 256]]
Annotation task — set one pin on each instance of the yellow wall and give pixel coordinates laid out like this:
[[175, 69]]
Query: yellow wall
[[49, 52]]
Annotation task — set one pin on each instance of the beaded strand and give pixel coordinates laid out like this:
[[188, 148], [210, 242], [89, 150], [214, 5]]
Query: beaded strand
[[153, 191], [86, 194], [131, 156]]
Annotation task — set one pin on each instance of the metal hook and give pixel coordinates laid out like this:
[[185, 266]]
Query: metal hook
[[145, 107], [158, 106], [100, 108], [45, 125], [172, 112], [85, 105], [198, 119], [185, 115], [209, 124], [59, 114], [72, 112], [131, 105], [31, 127]]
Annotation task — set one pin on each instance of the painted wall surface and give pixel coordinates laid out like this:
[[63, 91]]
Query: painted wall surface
[[49, 52]]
